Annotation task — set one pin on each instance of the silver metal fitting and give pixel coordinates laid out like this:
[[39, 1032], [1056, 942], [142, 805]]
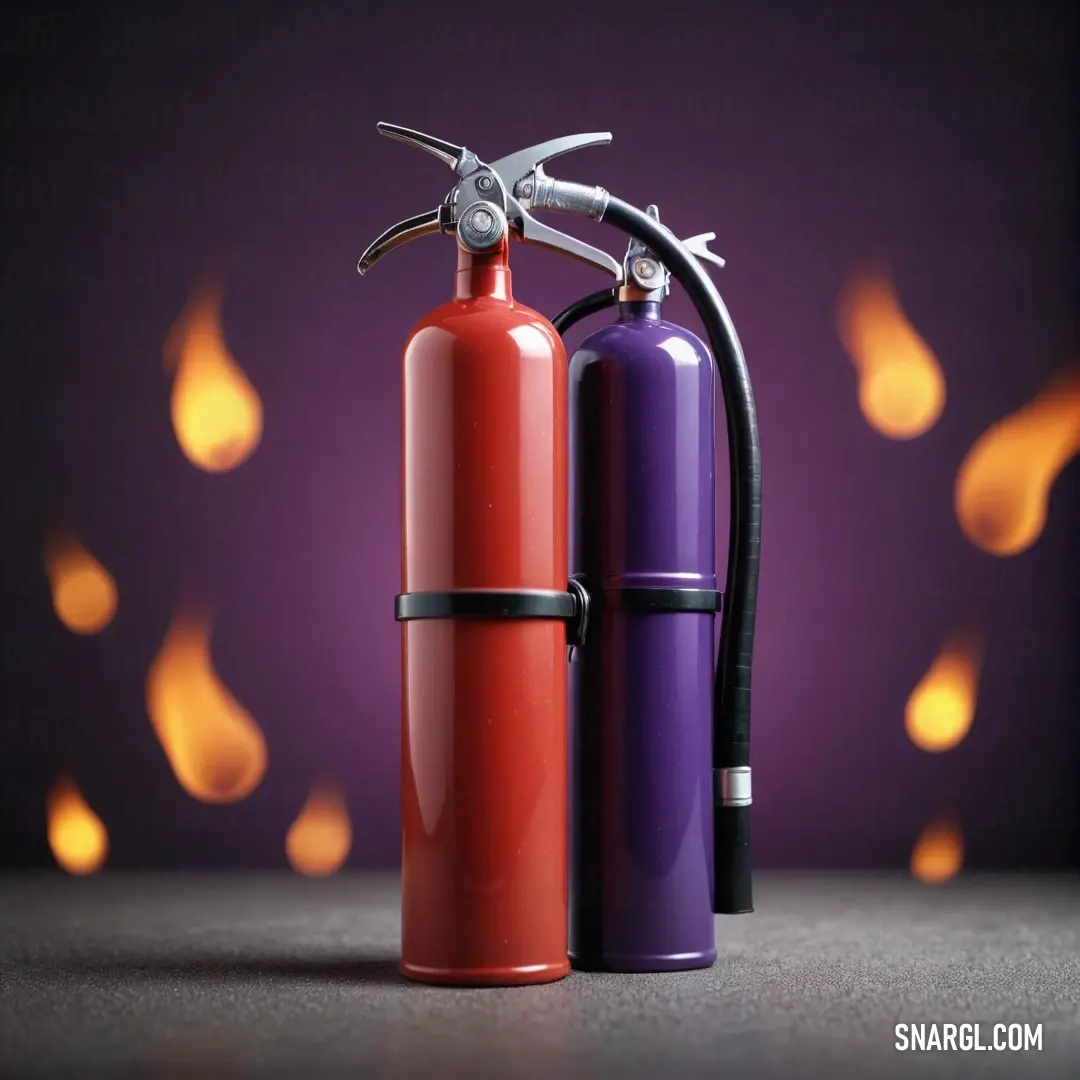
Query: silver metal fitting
[[481, 226], [645, 277], [731, 787], [648, 274], [565, 196]]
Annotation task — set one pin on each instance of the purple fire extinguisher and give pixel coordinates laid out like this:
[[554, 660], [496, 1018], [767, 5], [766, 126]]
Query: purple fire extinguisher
[[730, 891], [643, 538]]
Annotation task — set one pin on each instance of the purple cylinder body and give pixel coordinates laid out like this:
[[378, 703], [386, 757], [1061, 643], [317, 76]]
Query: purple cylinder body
[[643, 459]]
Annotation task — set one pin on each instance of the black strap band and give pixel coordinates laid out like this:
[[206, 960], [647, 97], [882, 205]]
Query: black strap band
[[486, 604], [572, 607], [646, 600]]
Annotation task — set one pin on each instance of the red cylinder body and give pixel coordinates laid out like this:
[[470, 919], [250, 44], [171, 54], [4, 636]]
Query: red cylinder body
[[484, 731]]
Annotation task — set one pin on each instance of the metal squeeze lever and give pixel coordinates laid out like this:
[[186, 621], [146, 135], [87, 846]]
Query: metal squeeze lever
[[699, 247], [483, 205]]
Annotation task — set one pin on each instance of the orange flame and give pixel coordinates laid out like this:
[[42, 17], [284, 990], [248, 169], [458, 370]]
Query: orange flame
[[938, 854], [77, 837], [216, 412], [214, 746], [901, 385], [318, 841], [1003, 485], [83, 591], [941, 708]]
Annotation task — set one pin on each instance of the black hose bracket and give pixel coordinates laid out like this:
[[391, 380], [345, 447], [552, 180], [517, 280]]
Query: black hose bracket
[[578, 627]]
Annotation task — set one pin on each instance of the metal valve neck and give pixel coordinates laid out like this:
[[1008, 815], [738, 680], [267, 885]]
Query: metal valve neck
[[483, 274], [632, 293], [637, 309]]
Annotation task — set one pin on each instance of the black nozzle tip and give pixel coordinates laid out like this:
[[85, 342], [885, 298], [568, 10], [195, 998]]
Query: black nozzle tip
[[734, 894]]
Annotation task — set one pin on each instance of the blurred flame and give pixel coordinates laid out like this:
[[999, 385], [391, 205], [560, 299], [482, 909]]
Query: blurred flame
[[214, 746], [83, 591], [216, 412], [941, 708], [319, 840], [1003, 485], [77, 837], [938, 854], [901, 385]]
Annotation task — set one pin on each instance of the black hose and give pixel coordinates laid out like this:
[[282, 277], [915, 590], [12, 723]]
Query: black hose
[[583, 308], [733, 892]]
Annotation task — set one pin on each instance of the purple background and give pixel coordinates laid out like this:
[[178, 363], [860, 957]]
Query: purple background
[[937, 136]]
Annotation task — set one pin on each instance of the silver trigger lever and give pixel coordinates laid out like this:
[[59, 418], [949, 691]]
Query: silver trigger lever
[[698, 246]]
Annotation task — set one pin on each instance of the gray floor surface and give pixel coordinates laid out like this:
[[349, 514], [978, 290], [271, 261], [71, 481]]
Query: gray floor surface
[[265, 976]]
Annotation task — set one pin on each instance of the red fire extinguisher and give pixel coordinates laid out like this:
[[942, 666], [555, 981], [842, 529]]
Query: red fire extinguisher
[[486, 605]]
